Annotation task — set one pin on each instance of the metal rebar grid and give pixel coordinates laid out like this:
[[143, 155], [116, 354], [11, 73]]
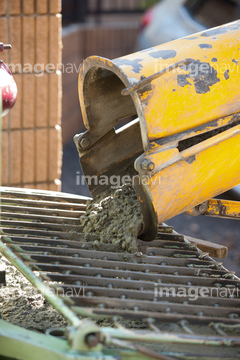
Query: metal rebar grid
[[170, 290]]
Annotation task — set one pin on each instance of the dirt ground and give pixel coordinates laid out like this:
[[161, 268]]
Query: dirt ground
[[21, 304]]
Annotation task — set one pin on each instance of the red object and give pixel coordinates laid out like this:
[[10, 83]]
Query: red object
[[8, 88], [147, 17]]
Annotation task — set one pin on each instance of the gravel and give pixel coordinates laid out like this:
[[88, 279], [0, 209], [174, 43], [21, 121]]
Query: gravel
[[115, 217]]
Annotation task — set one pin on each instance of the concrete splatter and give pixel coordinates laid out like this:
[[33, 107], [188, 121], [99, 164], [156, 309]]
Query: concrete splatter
[[202, 74]]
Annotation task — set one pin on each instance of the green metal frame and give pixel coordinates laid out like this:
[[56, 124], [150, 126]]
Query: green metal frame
[[20, 343]]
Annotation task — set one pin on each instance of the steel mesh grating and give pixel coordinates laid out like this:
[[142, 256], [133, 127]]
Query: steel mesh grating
[[42, 229]]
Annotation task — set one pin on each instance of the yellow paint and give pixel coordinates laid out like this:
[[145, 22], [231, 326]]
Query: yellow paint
[[215, 208], [162, 111], [167, 111], [218, 208], [201, 172]]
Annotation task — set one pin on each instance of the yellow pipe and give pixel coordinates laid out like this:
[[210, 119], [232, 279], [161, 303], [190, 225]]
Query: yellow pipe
[[179, 90], [195, 175]]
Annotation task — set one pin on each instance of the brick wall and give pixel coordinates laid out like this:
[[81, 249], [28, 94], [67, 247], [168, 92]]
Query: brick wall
[[31, 136], [80, 41]]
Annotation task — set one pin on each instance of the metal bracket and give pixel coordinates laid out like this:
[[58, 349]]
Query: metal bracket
[[217, 208], [4, 46], [84, 337]]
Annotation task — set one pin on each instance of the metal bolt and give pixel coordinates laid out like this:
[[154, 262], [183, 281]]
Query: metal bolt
[[222, 210], [4, 46], [202, 208], [92, 340], [147, 165], [151, 166], [84, 142], [233, 316]]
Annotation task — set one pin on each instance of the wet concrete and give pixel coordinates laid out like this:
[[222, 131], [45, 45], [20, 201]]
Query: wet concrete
[[115, 217]]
